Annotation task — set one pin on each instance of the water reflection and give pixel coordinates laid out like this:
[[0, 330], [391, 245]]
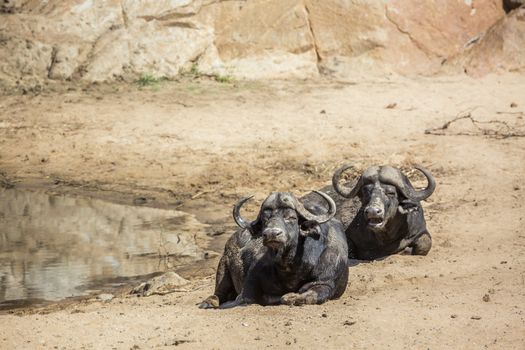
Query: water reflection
[[52, 247]]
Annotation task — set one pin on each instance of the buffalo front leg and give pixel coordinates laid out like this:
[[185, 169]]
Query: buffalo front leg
[[224, 288], [241, 300], [422, 244], [250, 290], [244, 298]]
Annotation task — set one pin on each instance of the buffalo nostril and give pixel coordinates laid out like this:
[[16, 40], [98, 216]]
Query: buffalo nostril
[[373, 211], [272, 233]]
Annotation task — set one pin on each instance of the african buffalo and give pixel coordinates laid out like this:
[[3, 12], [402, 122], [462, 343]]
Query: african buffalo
[[289, 255], [390, 218]]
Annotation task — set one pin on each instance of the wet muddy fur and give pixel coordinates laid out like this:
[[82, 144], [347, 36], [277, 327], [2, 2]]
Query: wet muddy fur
[[283, 258], [390, 218]]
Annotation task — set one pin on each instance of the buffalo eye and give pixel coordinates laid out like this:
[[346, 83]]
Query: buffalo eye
[[267, 213], [390, 193], [366, 190], [289, 215]]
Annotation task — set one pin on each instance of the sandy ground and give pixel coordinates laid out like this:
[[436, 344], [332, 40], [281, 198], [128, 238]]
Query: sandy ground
[[198, 146]]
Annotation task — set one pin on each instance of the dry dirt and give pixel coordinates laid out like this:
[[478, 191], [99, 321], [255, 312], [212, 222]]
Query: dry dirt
[[198, 146]]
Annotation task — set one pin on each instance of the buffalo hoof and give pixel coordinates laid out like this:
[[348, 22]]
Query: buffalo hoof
[[234, 303], [292, 299], [422, 245], [297, 299], [211, 302]]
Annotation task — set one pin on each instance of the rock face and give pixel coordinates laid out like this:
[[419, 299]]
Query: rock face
[[501, 49], [108, 39], [407, 37]]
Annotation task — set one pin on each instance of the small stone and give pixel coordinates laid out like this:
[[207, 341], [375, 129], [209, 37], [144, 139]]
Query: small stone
[[486, 298], [288, 342], [391, 105], [140, 200], [475, 317], [491, 291], [513, 105], [77, 311], [324, 315], [210, 254], [323, 111], [105, 297], [453, 316], [245, 324], [349, 323], [288, 323]]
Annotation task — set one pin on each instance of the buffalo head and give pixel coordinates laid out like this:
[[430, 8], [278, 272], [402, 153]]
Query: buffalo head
[[383, 191], [283, 218]]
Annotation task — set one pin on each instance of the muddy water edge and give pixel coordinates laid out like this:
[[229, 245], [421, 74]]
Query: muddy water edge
[[61, 242]]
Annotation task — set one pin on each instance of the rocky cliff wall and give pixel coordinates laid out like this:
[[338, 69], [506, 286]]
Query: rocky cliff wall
[[104, 40]]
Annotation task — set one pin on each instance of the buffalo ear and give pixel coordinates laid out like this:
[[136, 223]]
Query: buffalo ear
[[310, 228], [407, 206]]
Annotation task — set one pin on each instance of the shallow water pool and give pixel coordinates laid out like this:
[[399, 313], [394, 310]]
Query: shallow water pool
[[55, 247]]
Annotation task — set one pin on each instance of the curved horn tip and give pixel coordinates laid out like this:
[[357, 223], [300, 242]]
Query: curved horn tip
[[347, 166], [427, 192], [325, 195], [336, 178], [242, 201], [321, 193], [425, 172], [332, 207], [343, 168], [422, 169], [237, 213], [305, 213]]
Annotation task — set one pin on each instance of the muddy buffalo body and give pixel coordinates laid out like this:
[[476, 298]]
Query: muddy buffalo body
[[390, 218], [294, 253]]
